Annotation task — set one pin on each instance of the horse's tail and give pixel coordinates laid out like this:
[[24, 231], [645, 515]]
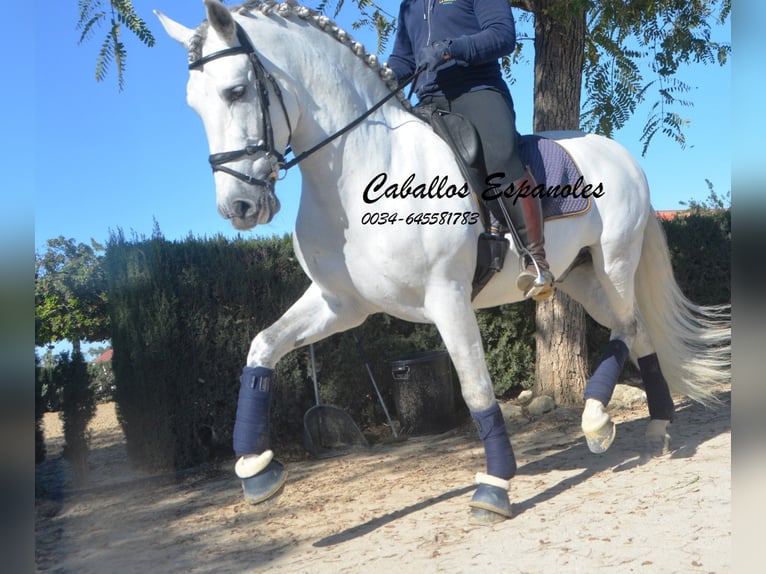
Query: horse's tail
[[693, 342]]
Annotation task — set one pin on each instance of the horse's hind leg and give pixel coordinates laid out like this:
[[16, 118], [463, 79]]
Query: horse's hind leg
[[660, 401], [313, 317], [450, 310], [583, 285]]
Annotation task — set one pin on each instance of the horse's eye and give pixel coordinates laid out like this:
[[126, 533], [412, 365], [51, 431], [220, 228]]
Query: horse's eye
[[235, 93]]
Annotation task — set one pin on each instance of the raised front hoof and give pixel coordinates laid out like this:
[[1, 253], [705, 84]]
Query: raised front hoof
[[600, 440], [490, 505], [266, 484]]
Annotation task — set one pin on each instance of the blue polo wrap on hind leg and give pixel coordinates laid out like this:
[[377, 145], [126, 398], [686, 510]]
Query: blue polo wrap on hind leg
[[251, 427], [601, 384], [657, 392], [497, 447]]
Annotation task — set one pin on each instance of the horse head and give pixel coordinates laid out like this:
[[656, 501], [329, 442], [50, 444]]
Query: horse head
[[231, 91]]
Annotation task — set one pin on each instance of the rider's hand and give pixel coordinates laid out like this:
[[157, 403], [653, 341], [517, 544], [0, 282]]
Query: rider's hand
[[434, 56]]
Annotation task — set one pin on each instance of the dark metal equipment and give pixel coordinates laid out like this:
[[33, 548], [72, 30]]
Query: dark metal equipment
[[329, 431]]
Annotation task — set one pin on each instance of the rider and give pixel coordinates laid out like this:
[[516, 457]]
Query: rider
[[458, 43]]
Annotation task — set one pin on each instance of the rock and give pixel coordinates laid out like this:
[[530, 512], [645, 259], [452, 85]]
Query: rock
[[626, 397], [540, 405], [511, 411], [524, 396]]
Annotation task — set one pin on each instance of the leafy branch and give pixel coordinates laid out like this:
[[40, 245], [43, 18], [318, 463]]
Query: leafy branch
[[119, 14], [664, 35]]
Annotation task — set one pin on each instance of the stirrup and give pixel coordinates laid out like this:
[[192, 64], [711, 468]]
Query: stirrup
[[540, 287]]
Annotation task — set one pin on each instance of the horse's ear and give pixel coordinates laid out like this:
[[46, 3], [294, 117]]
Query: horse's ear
[[178, 32], [220, 19]]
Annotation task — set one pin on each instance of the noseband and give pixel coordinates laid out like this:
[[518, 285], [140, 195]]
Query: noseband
[[262, 76], [276, 159]]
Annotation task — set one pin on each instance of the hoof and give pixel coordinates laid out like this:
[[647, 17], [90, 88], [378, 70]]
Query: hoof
[[597, 426], [490, 505], [655, 449], [266, 484], [601, 439], [657, 439]]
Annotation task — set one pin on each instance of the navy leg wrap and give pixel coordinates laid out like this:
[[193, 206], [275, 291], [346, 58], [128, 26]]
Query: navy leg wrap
[[251, 427], [601, 384], [657, 392], [497, 447]]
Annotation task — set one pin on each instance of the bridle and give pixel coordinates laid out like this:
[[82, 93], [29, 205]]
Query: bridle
[[262, 76], [262, 79]]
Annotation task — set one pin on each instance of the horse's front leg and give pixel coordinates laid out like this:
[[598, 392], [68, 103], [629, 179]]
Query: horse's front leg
[[313, 317], [450, 309]]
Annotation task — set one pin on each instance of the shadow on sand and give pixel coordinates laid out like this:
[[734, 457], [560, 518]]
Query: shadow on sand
[[693, 426]]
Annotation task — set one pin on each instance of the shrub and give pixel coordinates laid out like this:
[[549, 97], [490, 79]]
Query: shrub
[[78, 407]]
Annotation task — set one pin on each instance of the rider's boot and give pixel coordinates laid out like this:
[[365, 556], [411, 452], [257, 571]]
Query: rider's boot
[[526, 213]]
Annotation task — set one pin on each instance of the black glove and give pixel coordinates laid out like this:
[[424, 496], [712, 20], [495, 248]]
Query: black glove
[[434, 56]]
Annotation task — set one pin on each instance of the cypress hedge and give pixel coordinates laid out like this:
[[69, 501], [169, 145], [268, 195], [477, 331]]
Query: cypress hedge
[[77, 409], [183, 315]]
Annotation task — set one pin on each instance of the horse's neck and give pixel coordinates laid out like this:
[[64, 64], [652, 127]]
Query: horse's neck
[[333, 87], [331, 83]]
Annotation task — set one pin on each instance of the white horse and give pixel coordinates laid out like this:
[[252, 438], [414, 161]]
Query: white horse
[[265, 76]]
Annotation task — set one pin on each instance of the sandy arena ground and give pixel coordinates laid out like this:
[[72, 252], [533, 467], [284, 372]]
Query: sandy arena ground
[[403, 507]]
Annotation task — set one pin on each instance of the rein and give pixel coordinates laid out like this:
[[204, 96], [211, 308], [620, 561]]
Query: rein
[[276, 159], [345, 129]]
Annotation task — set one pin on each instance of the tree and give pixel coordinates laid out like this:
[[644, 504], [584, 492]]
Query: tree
[[77, 409], [576, 39], [714, 202], [626, 39], [561, 366], [70, 294]]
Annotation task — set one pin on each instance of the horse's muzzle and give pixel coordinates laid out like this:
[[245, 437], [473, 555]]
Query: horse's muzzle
[[246, 213]]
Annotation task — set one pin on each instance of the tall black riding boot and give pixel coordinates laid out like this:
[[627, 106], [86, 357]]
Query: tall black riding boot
[[526, 213]]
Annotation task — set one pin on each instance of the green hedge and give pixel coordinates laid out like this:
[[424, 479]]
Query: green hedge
[[700, 248], [66, 385], [183, 315]]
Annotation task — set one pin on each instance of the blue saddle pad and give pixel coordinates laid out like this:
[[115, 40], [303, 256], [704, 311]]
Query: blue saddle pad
[[552, 166]]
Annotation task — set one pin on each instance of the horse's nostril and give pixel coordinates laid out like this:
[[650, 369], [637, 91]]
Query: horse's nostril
[[241, 208]]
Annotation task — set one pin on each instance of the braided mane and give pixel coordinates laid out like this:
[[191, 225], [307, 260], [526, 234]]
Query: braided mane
[[290, 8]]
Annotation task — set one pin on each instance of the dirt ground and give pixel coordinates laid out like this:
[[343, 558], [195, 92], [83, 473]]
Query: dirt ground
[[403, 507]]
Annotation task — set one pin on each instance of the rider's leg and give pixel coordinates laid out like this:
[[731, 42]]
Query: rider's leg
[[526, 213], [491, 112]]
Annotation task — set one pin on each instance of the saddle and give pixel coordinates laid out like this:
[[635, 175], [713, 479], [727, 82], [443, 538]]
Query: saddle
[[463, 139], [547, 161]]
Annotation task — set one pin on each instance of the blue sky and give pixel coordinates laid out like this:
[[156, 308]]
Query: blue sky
[[104, 159]]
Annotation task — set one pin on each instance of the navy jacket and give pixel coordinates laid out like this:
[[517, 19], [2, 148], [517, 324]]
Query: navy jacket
[[481, 32]]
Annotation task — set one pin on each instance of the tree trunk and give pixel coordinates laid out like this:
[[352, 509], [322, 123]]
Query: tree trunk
[[561, 367]]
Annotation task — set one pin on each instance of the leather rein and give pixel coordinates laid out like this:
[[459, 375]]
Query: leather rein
[[262, 79]]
